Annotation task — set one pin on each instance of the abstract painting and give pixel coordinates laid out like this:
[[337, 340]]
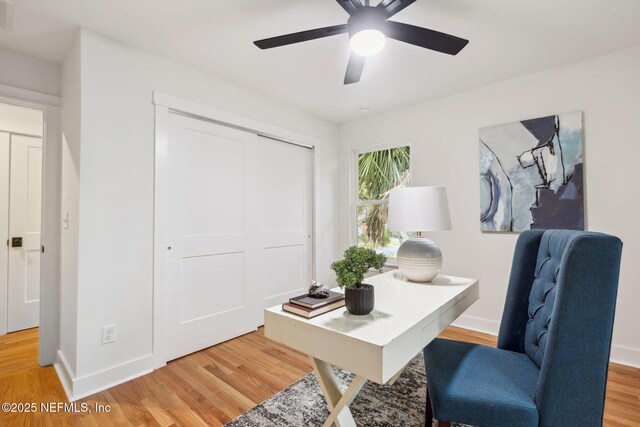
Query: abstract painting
[[531, 174]]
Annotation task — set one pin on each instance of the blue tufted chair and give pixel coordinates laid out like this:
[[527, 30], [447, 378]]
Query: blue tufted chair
[[550, 367]]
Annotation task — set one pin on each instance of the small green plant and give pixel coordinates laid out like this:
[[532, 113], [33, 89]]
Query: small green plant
[[357, 261]]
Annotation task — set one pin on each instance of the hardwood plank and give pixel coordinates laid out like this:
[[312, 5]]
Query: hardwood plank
[[215, 385]]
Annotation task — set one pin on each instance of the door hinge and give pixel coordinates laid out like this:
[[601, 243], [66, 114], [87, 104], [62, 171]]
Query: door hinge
[[42, 248]]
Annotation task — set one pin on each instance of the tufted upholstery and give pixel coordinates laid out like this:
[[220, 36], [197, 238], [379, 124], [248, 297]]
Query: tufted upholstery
[[543, 291], [553, 345]]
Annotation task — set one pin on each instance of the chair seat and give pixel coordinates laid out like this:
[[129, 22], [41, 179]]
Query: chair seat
[[480, 385]]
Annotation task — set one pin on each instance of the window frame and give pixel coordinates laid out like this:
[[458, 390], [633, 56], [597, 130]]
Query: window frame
[[354, 186]]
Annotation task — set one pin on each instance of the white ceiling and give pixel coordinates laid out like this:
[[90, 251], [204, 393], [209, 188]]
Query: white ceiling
[[508, 38]]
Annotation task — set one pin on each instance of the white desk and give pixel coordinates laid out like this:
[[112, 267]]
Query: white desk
[[407, 316]]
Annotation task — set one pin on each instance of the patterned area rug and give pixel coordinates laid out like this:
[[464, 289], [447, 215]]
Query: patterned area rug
[[303, 405]]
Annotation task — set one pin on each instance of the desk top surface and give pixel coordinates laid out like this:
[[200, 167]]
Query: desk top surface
[[399, 305]]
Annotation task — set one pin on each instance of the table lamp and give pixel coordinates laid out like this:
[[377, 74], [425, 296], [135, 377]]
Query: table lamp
[[419, 209]]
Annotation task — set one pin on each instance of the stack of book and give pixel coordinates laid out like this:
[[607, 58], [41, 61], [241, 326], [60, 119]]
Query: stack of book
[[309, 307]]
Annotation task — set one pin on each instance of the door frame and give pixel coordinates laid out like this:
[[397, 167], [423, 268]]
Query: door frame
[[49, 325], [164, 106]]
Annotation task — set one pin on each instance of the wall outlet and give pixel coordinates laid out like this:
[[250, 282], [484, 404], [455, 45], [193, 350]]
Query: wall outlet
[[108, 334]]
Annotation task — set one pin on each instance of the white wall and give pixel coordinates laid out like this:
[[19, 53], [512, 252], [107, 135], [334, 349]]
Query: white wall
[[69, 205], [30, 73], [115, 242], [444, 137]]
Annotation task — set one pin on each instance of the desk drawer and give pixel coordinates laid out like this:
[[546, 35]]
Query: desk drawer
[[434, 328]]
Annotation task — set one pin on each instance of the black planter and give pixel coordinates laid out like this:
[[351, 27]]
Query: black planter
[[359, 300]]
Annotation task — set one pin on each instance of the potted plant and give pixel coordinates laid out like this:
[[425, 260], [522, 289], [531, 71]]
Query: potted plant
[[350, 271]]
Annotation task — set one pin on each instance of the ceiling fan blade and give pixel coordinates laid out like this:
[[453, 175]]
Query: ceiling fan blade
[[354, 69], [391, 7], [350, 5], [423, 37], [302, 36]]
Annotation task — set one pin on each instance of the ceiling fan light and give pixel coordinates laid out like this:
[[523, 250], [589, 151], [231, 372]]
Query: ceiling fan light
[[367, 42]]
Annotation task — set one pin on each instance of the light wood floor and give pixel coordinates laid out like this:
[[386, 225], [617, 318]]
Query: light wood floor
[[213, 386]]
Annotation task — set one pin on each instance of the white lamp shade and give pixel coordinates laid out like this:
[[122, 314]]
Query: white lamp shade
[[415, 209]]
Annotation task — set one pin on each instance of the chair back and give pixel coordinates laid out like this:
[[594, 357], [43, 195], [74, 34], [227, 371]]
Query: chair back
[[559, 311]]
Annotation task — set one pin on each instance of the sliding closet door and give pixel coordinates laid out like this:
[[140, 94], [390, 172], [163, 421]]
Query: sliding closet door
[[212, 271], [238, 230], [286, 223]]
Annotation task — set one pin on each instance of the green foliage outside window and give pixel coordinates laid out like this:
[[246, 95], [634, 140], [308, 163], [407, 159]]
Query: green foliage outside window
[[379, 172]]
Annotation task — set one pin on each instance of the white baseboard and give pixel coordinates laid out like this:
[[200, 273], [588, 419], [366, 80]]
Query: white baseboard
[[619, 354], [477, 324], [625, 355], [65, 374], [77, 388]]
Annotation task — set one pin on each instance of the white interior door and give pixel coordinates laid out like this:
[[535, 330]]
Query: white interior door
[[212, 273], [25, 196], [286, 190], [238, 230], [4, 227]]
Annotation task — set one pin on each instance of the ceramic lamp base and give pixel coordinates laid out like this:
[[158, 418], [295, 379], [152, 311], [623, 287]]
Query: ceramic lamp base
[[419, 259]]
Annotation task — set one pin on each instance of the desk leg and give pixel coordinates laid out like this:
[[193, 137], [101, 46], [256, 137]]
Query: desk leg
[[338, 402]]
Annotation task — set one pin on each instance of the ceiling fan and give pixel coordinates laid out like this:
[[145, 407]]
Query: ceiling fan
[[368, 27]]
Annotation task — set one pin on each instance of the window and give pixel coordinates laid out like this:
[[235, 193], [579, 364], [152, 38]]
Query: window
[[376, 174]]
